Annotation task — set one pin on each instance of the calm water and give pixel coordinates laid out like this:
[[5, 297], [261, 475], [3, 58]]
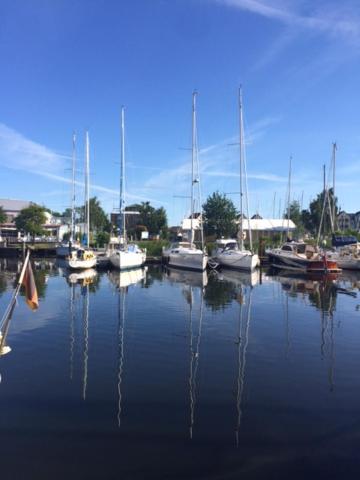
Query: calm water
[[178, 375]]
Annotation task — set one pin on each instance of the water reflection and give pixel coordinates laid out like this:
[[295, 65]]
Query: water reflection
[[193, 278], [194, 344], [226, 286], [222, 359], [122, 281], [242, 342]]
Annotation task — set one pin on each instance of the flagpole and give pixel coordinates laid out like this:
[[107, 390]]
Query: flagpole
[[5, 321]]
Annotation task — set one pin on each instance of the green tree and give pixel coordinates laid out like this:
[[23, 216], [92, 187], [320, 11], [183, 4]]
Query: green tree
[[219, 216], [3, 216], [295, 216], [153, 219], [99, 221], [312, 216], [31, 220]]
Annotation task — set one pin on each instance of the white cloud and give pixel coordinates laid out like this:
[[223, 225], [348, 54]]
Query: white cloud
[[20, 153], [334, 20]]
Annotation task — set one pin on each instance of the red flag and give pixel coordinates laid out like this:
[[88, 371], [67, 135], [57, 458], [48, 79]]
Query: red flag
[[30, 288]]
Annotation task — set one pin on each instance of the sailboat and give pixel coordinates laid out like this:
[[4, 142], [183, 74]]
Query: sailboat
[[186, 255], [82, 258], [230, 252], [346, 249], [126, 255], [65, 248]]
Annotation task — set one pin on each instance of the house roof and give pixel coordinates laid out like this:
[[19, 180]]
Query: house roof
[[270, 224], [10, 205]]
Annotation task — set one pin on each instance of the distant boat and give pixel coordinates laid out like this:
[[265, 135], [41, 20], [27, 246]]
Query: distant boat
[[230, 252], [126, 255], [63, 250], [83, 257], [186, 255], [301, 257]]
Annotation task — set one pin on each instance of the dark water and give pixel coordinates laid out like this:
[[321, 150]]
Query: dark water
[[172, 375]]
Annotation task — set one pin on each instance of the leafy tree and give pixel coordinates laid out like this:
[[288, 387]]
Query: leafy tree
[[31, 220], [3, 216], [153, 219], [98, 219], [312, 216], [219, 216], [296, 216], [102, 238]]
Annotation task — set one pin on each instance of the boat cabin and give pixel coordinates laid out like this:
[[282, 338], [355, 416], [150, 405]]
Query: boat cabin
[[299, 248]]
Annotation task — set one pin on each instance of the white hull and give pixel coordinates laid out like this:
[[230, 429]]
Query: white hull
[[349, 263], [345, 261], [243, 260], [85, 275], [78, 264], [127, 278], [189, 259], [125, 260]]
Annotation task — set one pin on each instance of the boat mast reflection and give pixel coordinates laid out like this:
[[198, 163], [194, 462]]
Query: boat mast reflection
[[195, 339], [242, 343], [85, 296]]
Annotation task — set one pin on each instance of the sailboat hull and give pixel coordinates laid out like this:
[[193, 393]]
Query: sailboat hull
[[238, 259], [124, 260], [79, 264], [188, 258]]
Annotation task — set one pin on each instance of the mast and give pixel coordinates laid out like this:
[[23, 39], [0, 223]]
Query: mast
[[87, 188], [334, 201], [72, 228], [122, 222], [193, 155], [241, 133], [288, 199]]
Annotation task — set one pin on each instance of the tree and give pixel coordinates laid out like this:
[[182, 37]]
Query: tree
[[3, 216], [296, 216], [219, 216], [153, 219], [312, 216], [31, 220], [98, 219]]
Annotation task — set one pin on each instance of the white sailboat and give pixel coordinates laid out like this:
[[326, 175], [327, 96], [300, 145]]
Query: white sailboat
[[346, 249], [126, 255], [230, 252], [187, 255], [65, 248], [83, 258]]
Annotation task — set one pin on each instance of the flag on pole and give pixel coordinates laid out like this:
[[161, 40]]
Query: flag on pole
[[30, 288]]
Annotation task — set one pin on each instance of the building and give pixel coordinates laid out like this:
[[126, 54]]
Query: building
[[55, 227], [348, 221], [12, 208], [266, 227]]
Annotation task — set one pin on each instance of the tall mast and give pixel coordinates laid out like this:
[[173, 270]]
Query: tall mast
[[122, 178], [334, 165], [288, 199], [241, 133], [87, 188], [72, 228], [193, 155]]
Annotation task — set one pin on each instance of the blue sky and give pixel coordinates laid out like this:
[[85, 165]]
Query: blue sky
[[70, 65]]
